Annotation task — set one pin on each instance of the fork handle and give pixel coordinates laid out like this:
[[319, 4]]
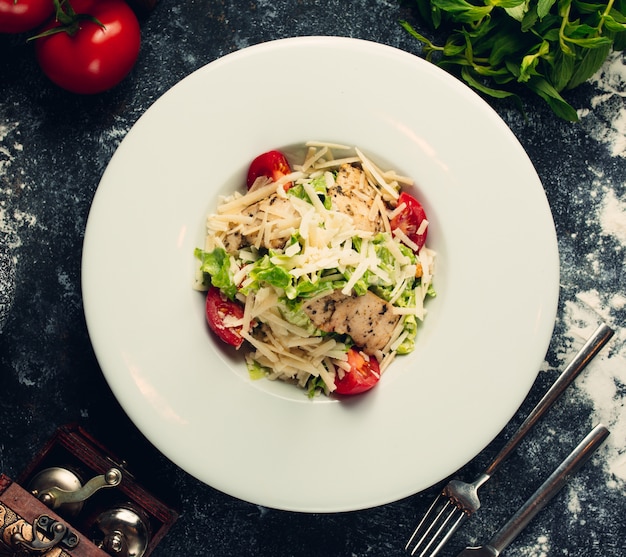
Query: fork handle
[[595, 343], [548, 489]]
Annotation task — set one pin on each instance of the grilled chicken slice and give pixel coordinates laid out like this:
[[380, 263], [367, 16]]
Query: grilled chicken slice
[[273, 222], [368, 319], [353, 196]]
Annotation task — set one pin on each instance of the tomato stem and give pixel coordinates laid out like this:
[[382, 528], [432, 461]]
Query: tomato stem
[[69, 21]]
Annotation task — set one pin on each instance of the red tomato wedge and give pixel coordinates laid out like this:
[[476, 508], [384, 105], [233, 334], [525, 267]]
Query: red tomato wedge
[[410, 219], [221, 314], [272, 164], [363, 374]]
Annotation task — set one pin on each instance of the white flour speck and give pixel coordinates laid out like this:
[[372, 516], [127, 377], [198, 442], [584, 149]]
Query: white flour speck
[[540, 549], [606, 120], [613, 216], [604, 383], [12, 218], [573, 502], [6, 156]]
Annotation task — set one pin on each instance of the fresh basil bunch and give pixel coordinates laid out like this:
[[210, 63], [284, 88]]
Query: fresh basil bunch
[[547, 46]]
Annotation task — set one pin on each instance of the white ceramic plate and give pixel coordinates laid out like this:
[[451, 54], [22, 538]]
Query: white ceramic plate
[[483, 341]]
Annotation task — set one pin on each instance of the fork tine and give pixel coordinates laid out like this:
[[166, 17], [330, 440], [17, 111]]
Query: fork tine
[[427, 518], [461, 518], [427, 540], [433, 524]]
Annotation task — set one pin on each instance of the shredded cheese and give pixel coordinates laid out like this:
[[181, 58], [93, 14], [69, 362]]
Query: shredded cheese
[[323, 246]]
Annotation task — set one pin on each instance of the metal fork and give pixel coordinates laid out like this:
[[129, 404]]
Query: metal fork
[[459, 500]]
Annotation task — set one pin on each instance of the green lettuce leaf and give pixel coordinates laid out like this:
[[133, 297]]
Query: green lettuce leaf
[[319, 185], [217, 265]]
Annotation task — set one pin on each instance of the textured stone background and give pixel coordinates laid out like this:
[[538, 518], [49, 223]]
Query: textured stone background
[[53, 149]]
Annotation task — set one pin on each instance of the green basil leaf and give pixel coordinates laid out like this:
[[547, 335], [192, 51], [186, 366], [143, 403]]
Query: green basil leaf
[[517, 12], [512, 67], [507, 3], [545, 45], [436, 16], [429, 47], [530, 61], [588, 8], [619, 43], [589, 64], [611, 24], [544, 7], [564, 6], [552, 35], [557, 103], [618, 16], [427, 12], [530, 19], [561, 70], [463, 11], [592, 42], [504, 46], [580, 30], [551, 22], [472, 80], [452, 49], [505, 78]]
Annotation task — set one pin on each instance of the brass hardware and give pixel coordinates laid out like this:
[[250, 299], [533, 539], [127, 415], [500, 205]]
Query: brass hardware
[[60, 489], [122, 532], [58, 534]]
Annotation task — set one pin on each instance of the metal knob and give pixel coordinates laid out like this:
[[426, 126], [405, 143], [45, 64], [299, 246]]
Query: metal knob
[[121, 532], [56, 477]]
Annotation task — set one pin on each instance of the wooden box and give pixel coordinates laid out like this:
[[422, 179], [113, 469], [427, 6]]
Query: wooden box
[[77, 499]]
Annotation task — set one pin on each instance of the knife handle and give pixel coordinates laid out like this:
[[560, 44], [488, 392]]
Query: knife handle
[[593, 345], [548, 489]]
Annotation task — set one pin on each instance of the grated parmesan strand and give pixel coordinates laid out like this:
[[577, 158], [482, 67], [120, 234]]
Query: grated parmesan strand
[[267, 216]]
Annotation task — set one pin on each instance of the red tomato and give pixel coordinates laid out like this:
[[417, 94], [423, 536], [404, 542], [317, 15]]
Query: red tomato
[[93, 58], [410, 219], [219, 309], [18, 16], [272, 164], [363, 374]]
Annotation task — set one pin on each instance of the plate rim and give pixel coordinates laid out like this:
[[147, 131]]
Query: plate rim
[[257, 50]]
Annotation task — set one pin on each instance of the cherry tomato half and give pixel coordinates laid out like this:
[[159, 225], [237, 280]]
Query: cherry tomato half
[[410, 219], [363, 374], [272, 164], [219, 312], [94, 58], [19, 16]]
